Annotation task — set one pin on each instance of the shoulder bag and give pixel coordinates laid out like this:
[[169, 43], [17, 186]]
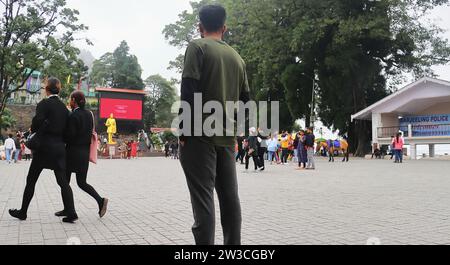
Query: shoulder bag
[[94, 143]]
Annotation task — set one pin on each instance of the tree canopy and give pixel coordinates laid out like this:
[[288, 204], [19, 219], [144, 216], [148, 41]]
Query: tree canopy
[[7, 120], [118, 69], [356, 50], [70, 70], [158, 103], [34, 34]]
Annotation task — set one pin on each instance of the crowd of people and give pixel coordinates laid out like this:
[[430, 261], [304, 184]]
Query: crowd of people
[[128, 147], [279, 148], [395, 149], [13, 150]]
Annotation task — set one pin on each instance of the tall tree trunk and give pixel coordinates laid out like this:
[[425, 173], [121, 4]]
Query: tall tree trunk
[[360, 128], [307, 121], [2, 107], [362, 138]]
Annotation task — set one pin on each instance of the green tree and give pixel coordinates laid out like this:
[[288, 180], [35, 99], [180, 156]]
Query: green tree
[[357, 47], [156, 140], [298, 90], [158, 103], [119, 69], [33, 33], [102, 70], [168, 136], [7, 120], [69, 69], [126, 72], [183, 31], [258, 35], [354, 48], [261, 32]]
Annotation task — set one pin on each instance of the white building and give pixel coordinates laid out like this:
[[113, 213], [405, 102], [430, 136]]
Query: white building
[[420, 110]]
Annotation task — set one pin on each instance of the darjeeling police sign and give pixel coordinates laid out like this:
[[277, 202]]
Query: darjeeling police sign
[[428, 125]]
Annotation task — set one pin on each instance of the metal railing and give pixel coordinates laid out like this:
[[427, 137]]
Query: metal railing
[[388, 132]]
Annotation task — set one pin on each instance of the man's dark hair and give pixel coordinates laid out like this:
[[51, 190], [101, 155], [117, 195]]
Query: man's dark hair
[[213, 17], [53, 85], [10, 135]]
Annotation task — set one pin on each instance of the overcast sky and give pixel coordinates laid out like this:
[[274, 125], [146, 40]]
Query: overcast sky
[[140, 23]]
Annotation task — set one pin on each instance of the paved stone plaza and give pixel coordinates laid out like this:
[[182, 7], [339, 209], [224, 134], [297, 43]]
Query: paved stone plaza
[[337, 204]]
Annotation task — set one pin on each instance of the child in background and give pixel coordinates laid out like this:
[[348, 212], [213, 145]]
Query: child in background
[[134, 147]]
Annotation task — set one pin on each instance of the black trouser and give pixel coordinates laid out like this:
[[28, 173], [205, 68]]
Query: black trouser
[[284, 155], [261, 152], [240, 156], [207, 167], [32, 178], [175, 153], [253, 155], [84, 186]]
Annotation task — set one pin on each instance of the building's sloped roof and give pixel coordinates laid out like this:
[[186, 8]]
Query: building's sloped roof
[[121, 90], [366, 113]]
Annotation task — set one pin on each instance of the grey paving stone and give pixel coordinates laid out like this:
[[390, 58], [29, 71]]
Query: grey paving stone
[[149, 205]]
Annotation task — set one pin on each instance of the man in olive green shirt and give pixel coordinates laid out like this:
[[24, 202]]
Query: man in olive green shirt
[[215, 71]]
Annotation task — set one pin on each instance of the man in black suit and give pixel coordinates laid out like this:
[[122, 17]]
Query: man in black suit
[[53, 115]]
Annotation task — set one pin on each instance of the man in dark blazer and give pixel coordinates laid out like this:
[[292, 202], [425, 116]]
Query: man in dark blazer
[[53, 114]]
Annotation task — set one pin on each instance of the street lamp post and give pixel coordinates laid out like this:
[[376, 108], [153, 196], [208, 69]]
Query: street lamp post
[[313, 96], [313, 103]]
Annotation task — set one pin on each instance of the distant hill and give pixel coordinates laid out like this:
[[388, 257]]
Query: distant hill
[[87, 57]]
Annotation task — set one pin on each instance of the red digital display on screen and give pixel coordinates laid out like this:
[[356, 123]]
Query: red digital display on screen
[[123, 109]]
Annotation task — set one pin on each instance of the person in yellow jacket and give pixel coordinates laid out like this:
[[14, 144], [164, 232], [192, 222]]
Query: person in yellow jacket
[[284, 148]]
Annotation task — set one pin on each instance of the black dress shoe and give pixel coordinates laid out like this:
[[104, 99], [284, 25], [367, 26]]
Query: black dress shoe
[[18, 214], [61, 214], [103, 207], [70, 219]]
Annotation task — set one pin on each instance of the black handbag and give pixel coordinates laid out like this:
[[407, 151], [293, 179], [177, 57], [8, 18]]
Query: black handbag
[[34, 141]]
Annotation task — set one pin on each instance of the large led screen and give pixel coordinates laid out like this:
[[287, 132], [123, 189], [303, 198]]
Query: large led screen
[[123, 109]]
